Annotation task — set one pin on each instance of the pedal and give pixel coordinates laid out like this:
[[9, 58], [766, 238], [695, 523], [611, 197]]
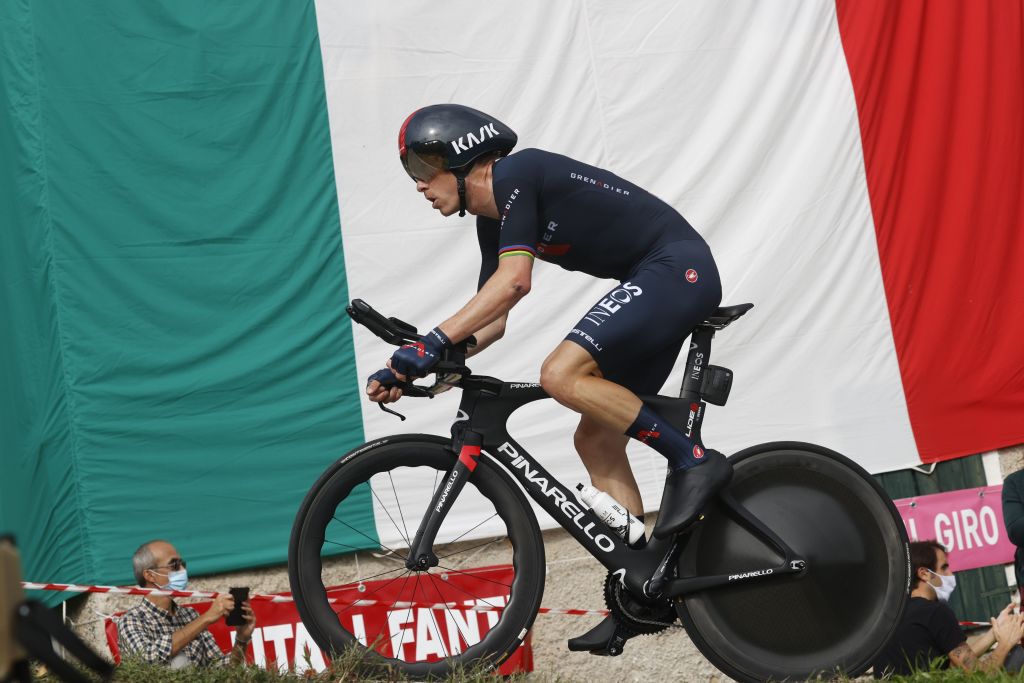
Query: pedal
[[616, 644], [607, 639]]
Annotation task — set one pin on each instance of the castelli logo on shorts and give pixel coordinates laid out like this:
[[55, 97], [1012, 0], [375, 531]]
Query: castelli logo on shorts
[[691, 275], [698, 452]]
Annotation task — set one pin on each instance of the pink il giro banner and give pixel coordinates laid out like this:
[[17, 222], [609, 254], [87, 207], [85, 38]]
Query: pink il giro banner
[[968, 522]]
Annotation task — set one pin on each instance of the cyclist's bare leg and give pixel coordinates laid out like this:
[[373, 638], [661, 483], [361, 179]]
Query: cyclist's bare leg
[[603, 451], [568, 376], [571, 376]]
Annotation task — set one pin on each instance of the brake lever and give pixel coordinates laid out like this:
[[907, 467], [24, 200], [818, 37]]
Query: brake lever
[[410, 389], [393, 412]]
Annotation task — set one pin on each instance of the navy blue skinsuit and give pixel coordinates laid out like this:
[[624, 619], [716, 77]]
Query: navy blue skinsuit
[[584, 218]]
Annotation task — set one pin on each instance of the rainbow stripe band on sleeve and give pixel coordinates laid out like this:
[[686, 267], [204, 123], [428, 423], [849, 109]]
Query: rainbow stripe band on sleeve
[[517, 250]]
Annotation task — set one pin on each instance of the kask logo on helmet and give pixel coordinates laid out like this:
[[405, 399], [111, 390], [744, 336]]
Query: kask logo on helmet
[[468, 140]]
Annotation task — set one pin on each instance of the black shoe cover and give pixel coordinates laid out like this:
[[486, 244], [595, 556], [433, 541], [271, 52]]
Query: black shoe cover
[[687, 493]]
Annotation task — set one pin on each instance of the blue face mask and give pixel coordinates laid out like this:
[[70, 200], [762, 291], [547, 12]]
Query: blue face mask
[[176, 581]]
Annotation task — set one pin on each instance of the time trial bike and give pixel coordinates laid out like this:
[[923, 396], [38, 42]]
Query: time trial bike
[[799, 568]]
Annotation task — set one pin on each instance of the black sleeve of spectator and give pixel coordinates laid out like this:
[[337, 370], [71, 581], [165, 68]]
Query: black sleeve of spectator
[[1013, 507], [946, 629]]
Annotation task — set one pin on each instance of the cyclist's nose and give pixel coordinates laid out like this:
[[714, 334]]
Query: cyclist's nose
[[421, 186]]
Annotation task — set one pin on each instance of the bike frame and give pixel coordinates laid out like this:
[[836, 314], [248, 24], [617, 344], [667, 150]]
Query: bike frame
[[480, 430]]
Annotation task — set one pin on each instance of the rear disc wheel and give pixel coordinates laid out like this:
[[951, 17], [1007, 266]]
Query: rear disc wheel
[[836, 615]]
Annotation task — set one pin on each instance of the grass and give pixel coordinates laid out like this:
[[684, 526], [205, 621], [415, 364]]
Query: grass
[[348, 667], [954, 674]]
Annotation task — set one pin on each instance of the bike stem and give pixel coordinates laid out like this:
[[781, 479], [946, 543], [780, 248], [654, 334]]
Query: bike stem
[[421, 555]]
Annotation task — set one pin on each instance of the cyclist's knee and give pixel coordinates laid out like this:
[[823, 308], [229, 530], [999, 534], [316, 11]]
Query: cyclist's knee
[[563, 368], [557, 378]]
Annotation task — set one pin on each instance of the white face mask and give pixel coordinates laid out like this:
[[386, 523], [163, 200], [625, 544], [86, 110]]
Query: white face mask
[[946, 589]]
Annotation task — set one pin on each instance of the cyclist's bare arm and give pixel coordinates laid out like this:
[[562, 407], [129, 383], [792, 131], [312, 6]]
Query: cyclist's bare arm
[[504, 289], [485, 315], [488, 335]]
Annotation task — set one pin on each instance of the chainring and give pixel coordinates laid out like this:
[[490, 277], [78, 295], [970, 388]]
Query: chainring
[[640, 616]]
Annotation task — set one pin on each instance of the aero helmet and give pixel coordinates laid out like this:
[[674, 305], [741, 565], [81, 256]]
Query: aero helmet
[[450, 137]]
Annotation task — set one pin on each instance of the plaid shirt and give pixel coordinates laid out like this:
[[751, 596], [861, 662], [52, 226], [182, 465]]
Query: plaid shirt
[[145, 632]]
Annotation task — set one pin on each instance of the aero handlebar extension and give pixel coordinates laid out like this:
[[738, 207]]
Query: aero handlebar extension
[[449, 370]]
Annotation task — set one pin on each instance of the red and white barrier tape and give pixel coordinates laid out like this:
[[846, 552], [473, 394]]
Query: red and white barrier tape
[[136, 590]]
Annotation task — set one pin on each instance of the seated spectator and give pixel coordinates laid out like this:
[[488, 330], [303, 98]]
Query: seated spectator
[[930, 633], [160, 631]]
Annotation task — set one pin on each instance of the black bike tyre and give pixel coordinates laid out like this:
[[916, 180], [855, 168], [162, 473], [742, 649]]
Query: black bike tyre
[[742, 628], [305, 561]]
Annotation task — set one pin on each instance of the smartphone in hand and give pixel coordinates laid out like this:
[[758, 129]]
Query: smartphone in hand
[[235, 616]]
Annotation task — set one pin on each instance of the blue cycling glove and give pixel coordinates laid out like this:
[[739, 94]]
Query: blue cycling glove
[[385, 377], [415, 360]]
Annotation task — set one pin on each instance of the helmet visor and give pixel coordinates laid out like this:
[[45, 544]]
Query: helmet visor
[[423, 165]]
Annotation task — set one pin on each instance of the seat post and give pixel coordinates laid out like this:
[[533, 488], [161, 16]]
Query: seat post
[[697, 361]]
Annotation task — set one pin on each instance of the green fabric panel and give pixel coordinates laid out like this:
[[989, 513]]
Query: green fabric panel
[[205, 369], [39, 496]]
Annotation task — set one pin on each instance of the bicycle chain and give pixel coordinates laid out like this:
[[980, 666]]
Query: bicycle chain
[[630, 620]]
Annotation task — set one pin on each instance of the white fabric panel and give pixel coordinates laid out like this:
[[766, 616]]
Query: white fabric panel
[[739, 114]]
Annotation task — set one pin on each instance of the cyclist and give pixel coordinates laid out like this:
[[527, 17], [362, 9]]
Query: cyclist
[[536, 204]]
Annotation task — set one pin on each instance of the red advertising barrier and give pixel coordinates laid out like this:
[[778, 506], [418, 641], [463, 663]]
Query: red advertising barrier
[[968, 522], [416, 633]]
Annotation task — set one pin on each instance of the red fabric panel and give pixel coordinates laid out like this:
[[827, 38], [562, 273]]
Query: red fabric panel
[[940, 96]]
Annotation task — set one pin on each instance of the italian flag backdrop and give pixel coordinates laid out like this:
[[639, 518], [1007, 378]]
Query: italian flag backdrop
[[190, 193]]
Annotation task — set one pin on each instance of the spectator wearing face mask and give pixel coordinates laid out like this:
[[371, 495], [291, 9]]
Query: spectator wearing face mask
[[930, 633], [160, 631]]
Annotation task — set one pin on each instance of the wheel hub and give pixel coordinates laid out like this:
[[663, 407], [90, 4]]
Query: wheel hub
[[422, 563]]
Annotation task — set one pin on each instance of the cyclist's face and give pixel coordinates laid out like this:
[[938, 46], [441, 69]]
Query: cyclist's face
[[441, 191]]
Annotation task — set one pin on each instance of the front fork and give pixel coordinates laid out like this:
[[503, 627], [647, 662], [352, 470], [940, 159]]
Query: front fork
[[421, 554]]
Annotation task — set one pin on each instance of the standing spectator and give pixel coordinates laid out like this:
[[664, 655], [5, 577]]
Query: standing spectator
[[929, 632], [1013, 517], [160, 631]]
